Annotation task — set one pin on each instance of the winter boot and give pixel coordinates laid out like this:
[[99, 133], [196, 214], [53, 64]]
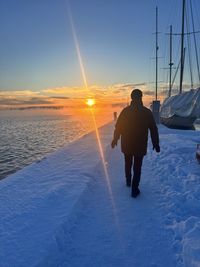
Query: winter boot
[[135, 192], [135, 188]]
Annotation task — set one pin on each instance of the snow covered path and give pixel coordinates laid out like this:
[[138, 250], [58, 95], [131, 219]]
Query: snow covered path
[[129, 233], [160, 228], [65, 212]]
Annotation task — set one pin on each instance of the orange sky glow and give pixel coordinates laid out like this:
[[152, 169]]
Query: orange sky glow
[[72, 97]]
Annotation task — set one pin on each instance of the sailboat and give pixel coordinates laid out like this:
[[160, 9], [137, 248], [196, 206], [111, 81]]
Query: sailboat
[[181, 110]]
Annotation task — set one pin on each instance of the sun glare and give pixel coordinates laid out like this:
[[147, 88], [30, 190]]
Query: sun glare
[[90, 102]]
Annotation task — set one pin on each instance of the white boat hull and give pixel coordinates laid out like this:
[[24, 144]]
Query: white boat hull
[[177, 122], [180, 111]]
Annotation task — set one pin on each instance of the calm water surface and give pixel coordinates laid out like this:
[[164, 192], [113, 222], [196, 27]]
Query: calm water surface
[[27, 138]]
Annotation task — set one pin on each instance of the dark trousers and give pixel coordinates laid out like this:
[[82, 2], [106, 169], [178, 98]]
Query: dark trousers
[[137, 166]]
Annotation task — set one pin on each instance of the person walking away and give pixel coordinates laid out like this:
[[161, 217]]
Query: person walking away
[[132, 126]]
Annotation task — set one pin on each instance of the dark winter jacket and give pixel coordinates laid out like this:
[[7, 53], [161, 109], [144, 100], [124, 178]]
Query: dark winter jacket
[[132, 126]]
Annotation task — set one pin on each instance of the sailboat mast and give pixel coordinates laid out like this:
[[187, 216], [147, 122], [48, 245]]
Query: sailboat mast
[[182, 47], [170, 63], [195, 41], [156, 103], [157, 53]]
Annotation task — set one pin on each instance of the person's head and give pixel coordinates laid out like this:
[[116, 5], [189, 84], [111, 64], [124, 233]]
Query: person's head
[[136, 95]]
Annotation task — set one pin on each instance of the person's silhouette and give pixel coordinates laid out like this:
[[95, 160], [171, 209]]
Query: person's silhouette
[[132, 126]]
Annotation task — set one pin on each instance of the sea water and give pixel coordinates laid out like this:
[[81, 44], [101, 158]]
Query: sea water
[[27, 136]]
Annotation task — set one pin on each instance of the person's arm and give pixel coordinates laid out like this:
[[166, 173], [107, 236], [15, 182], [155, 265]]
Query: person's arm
[[154, 133], [118, 129]]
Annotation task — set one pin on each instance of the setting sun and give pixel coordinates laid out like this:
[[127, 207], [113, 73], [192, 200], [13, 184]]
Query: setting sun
[[90, 102]]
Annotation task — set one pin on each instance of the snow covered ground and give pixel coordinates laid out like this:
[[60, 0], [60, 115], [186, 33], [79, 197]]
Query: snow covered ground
[[69, 209]]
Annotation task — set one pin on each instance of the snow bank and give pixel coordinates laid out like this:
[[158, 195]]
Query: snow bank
[[178, 173], [36, 202], [59, 211]]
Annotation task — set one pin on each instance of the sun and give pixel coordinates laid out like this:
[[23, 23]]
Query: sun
[[90, 102]]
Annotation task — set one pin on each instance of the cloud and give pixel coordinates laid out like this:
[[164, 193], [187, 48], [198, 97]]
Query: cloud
[[115, 94], [21, 93], [37, 100], [56, 90], [24, 101], [121, 90], [133, 85], [37, 107], [28, 97], [64, 91], [60, 97], [149, 92]]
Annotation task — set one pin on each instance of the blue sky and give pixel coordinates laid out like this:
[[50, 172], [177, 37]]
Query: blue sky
[[37, 49]]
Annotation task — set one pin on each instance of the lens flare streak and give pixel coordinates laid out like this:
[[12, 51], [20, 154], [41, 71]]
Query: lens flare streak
[[92, 112], [103, 158], [95, 124], [78, 51], [114, 209]]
